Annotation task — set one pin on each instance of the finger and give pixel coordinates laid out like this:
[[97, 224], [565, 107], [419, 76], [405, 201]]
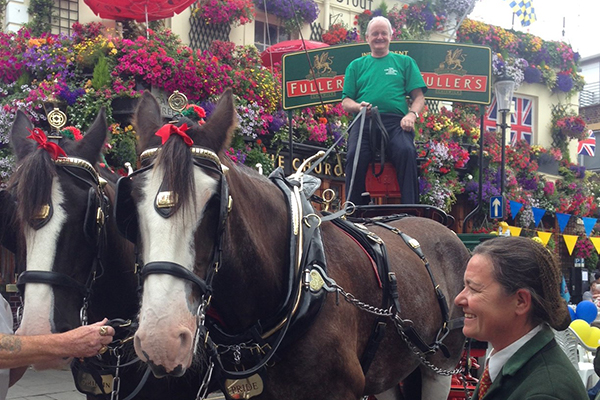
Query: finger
[[100, 323]]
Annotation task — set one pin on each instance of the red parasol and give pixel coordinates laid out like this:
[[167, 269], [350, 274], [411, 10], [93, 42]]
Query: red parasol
[[273, 54], [139, 10]]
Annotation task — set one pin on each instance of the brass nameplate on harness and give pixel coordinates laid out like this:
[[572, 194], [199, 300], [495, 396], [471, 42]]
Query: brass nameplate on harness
[[166, 199], [244, 388], [88, 385], [316, 281]]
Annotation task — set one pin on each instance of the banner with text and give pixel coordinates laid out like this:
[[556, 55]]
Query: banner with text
[[452, 72]]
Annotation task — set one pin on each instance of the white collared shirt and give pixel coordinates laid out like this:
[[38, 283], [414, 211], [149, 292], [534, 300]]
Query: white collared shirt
[[498, 359]]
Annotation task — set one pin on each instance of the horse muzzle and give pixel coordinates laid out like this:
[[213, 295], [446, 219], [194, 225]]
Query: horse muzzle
[[166, 354]]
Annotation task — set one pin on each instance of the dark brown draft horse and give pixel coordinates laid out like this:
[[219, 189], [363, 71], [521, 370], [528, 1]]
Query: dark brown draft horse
[[216, 246], [78, 265]]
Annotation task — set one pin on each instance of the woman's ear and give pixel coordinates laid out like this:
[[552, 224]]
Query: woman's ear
[[523, 297]]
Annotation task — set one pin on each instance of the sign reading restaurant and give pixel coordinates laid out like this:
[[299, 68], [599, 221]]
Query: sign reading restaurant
[[452, 72]]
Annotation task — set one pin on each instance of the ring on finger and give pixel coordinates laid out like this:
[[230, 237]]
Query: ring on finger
[[102, 350], [103, 330]]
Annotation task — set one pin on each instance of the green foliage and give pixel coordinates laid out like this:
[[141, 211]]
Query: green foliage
[[24, 79], [121, 147], [86, 108], [101, 76], [40, 12], [258, 155]]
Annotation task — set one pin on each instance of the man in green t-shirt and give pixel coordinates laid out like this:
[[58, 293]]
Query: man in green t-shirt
[[384, 79]]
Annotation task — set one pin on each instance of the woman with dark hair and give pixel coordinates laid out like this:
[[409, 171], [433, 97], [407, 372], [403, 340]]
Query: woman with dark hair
[[511, 300]]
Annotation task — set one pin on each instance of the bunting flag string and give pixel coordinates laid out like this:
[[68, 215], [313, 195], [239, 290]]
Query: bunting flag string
[[570, 240], [562, 220]]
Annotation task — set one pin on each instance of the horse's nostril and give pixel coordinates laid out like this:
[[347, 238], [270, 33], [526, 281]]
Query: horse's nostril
[[185, 338], [178, 371], [158, 370]]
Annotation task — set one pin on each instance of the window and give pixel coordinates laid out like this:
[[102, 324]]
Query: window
[[266, 35], [64, 14]]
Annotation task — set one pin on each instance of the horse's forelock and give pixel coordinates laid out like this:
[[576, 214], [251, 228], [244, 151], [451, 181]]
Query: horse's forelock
[[32, 183], [175, 159]]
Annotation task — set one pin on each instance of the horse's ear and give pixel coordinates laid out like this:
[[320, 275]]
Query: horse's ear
[[91, 145], [222, 120], [18, 136], [147, 119]]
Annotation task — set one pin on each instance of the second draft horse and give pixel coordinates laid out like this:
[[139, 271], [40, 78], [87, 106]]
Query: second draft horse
[[228, 276]]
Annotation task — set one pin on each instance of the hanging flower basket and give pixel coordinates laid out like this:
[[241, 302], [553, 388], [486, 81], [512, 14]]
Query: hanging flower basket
[[573, 127], [232, 12]]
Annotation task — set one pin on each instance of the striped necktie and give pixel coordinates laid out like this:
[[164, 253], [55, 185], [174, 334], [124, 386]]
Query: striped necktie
[[485, 382]]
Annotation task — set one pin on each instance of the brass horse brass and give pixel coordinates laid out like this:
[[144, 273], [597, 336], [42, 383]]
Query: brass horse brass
[[316, 281], [244, 388], [57, 119], [43, 212], [166, 199]]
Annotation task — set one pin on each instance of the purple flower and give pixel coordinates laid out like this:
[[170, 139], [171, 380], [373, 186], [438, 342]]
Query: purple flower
[[579, 171], [564, 82], [208, 106], [290, 9], [528, 183], [279, 120], [542, 56], [533, 75], [424, 185], [70, 96]]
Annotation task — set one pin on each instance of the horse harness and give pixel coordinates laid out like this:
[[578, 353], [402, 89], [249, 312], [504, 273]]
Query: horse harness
[[374, 246]]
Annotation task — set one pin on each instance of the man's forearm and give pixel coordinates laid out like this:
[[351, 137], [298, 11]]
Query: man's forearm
[[19, 351], [351, 106]]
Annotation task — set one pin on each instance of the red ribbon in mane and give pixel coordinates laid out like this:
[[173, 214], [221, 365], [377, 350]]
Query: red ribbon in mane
[[169, 129], [52, 148]]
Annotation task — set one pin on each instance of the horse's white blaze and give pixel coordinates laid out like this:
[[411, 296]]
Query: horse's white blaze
[[41, 245], [167, 314]]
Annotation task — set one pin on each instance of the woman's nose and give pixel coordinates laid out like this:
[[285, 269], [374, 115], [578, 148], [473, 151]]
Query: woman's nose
[[460, 298]]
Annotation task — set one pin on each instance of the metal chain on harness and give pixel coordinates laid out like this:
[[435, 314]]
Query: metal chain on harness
[[203, 390], [114, 395], [331, 286]]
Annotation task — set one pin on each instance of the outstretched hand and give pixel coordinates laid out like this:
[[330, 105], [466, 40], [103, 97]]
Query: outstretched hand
[[89, 340]]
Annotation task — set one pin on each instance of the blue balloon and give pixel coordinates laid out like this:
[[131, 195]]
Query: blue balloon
[[572, 312], [587, 311]]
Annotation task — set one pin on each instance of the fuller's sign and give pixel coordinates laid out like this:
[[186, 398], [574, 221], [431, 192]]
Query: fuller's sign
[[452, 72]]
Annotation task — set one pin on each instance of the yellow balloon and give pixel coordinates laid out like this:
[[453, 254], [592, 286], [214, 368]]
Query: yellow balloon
[[582, 329], [594, 339]]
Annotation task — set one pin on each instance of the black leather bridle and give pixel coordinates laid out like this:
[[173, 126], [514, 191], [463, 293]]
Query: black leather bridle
[[126, 218]]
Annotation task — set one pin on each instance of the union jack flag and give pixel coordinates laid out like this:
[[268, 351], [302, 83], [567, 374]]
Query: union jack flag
[[491, 117], [521, 121], [587, 147]]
